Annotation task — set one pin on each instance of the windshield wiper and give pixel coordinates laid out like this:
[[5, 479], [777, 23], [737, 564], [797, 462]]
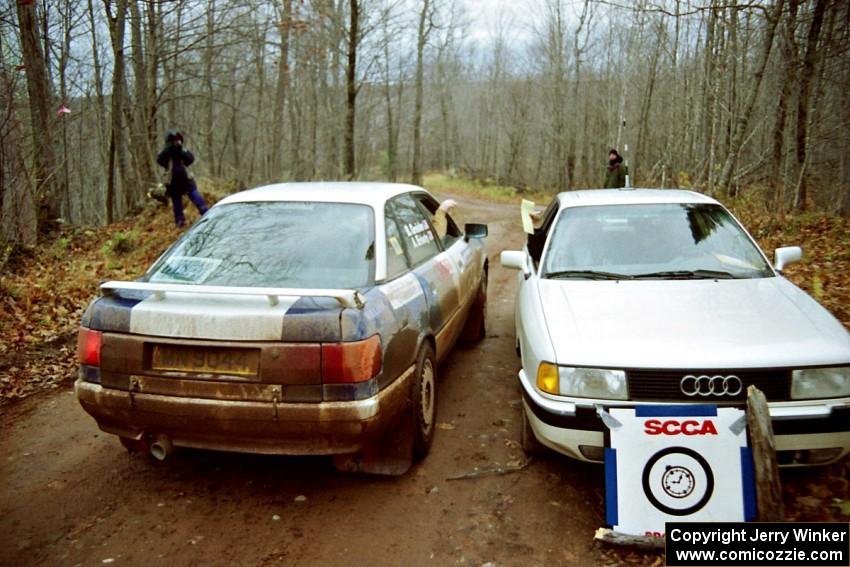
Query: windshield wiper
[[688, 275], [588, 274]]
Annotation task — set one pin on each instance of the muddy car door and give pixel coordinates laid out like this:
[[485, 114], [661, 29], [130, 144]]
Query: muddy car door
[[403, 291], [434, 268]]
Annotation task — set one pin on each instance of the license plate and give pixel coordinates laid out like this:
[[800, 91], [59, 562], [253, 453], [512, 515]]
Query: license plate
[[200, 360]]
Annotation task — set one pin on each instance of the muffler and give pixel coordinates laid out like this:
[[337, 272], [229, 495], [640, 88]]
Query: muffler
[[161, 447]]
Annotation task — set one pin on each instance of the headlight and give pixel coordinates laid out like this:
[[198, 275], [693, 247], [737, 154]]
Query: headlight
[[809, 383], [582, 382]]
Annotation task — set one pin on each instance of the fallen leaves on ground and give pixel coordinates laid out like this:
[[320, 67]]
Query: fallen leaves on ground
[[45, 289]]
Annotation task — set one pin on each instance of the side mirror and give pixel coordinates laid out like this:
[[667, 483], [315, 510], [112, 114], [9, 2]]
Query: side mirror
[[474, 230], [515, 260], [787, 255]]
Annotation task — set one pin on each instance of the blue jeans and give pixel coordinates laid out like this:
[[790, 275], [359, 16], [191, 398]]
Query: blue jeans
[[177, 205]]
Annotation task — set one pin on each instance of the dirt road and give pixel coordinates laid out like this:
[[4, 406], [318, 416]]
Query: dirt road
[[71, 495]]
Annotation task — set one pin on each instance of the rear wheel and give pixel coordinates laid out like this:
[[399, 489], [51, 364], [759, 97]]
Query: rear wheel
[[424, 398], [528, 440]]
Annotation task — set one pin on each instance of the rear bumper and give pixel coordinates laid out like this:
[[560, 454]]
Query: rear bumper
[[321, 428], [799, 427]]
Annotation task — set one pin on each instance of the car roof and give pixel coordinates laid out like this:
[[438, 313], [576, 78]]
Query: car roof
[[374, 194], [592, 197]]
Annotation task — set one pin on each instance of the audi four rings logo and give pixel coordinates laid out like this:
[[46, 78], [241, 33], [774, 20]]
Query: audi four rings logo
[[711, 385]]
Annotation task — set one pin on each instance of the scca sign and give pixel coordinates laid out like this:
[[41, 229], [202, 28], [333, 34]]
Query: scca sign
[[676, 462], [676, 427]]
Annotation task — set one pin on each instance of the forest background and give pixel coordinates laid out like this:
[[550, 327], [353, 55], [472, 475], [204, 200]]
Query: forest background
[[726, 97]]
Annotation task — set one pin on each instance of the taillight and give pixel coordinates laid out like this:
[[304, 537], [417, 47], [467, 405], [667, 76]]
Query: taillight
[[88, 346], [345, 363]]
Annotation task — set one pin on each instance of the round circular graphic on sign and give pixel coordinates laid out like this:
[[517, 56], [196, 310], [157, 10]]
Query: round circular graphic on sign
[[678, 481]]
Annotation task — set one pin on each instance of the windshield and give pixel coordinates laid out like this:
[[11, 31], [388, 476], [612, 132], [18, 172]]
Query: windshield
[[275, 244], [662, 241]]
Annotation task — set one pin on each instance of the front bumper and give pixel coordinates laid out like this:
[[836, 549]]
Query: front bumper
[[320, 428], [574, 428]]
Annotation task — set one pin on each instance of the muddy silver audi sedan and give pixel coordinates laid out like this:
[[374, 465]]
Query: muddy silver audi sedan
[[298, 319], [640, 296]]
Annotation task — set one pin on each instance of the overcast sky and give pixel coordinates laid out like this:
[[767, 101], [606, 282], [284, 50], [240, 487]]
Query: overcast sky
[[486, 16]]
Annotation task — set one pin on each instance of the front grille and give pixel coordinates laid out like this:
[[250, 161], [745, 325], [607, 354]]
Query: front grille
[[664, 385]]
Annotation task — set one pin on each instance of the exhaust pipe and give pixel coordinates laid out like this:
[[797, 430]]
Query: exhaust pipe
[[161, 447]]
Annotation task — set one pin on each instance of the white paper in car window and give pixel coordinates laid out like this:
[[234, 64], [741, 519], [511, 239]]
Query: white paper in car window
[[186, 269], [525, 210], [396, 245]]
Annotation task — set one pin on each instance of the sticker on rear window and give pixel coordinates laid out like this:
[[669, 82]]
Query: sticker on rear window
[[186, 269]]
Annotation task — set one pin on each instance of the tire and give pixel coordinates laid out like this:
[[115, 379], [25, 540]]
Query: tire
[[475, 328], [527, 439], [424, 398]]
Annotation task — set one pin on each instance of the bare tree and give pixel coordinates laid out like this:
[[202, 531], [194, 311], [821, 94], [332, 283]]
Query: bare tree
[[39, 90], [351, 87], [118, 173], [806, 82], [426, 16], [284, 25], [734, 149], [18, 222]]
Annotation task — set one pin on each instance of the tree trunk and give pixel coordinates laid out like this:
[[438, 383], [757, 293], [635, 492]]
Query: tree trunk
[[209, 127], [18, 219], [351, 88], [746, 113], [789, 69], [38, 89], [421, 39], [276, 147], [392, 169], [142, 150], [806, 81], [64, 55], [118, 170]]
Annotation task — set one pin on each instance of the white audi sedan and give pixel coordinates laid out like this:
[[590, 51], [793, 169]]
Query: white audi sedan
[[636, 296]]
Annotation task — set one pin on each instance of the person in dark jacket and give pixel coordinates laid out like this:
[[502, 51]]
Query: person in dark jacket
[[176, 160], [615, 176]]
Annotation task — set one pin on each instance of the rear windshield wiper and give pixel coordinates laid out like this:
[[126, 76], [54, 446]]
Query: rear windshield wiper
[[587, 274], [688, 275]]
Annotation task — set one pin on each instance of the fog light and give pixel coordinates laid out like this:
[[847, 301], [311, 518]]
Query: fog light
[[592, 452], [547, 378]]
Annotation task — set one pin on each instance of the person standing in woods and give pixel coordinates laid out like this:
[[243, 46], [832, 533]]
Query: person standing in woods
[[178, 180], [615, 176]]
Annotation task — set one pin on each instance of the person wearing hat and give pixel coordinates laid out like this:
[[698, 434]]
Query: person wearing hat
[[615, 176], [176, 159]]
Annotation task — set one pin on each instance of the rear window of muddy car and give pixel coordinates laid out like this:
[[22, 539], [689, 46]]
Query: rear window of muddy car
[[275, 244]]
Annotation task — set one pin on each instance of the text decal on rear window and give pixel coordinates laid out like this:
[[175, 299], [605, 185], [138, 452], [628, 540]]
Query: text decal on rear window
[[186, 269]]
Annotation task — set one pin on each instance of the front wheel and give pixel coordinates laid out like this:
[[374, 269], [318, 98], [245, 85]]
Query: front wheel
[[528, 440], [424, 398]]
